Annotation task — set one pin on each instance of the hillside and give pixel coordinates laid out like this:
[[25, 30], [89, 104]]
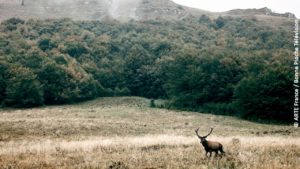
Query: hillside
[[122, 10], [62, 61], [93, 9], [263, 11], [124, 132]]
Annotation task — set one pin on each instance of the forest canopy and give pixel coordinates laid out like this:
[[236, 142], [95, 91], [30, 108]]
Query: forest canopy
[[227, 65]]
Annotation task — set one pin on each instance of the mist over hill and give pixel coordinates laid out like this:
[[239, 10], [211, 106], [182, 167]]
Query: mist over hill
[[122, 10]]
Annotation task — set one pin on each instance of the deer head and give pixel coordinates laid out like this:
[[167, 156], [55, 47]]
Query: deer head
[[203, 138]]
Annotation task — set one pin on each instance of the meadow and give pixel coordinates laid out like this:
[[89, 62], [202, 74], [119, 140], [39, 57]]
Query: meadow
[[125, 133]]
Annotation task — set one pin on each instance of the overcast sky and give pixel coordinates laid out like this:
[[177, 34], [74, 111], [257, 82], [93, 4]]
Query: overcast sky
[[280, 6]]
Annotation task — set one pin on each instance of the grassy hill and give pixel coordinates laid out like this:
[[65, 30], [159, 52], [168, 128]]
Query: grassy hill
[[64, 61], [122, 10], [124, 132]]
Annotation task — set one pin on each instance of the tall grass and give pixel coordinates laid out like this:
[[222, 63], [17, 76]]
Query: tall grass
[[125, 133], [151, 151]]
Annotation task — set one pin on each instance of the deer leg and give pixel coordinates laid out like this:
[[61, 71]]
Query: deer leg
[[210, 154], [216, 153], [221, 154], [222, 151]]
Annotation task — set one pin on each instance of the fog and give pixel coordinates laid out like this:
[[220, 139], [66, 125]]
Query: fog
[[79, 9], [120, 8], [117, 9]]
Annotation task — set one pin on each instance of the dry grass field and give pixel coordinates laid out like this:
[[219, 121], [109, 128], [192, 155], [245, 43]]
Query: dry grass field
[[125, 133]]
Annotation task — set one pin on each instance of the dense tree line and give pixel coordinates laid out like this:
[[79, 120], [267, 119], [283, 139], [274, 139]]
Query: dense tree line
[[226, 65]]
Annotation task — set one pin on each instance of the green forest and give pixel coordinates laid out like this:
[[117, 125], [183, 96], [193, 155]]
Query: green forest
[[225, 65]]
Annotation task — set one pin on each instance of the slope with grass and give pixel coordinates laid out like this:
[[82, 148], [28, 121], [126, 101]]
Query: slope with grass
[[124, 132], [121, 10]]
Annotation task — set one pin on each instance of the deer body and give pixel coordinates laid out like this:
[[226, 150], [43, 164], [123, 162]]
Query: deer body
[[210, 146]]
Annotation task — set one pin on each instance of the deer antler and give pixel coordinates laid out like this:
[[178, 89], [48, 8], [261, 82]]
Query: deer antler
[[209, 132], [197, 132]]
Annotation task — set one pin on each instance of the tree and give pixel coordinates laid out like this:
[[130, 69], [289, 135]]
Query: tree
[[220, 22], [45, 43], [3, 78], [204, 19], [75, 48], [12, 24], [22, 88], [195, 79], [135, 77], [266, 96], [56, 81]]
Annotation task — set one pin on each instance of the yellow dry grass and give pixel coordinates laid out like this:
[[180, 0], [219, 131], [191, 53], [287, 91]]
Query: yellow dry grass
[[125, 133]]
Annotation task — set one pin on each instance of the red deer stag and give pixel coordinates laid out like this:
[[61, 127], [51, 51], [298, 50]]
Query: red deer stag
[[210, 146]]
